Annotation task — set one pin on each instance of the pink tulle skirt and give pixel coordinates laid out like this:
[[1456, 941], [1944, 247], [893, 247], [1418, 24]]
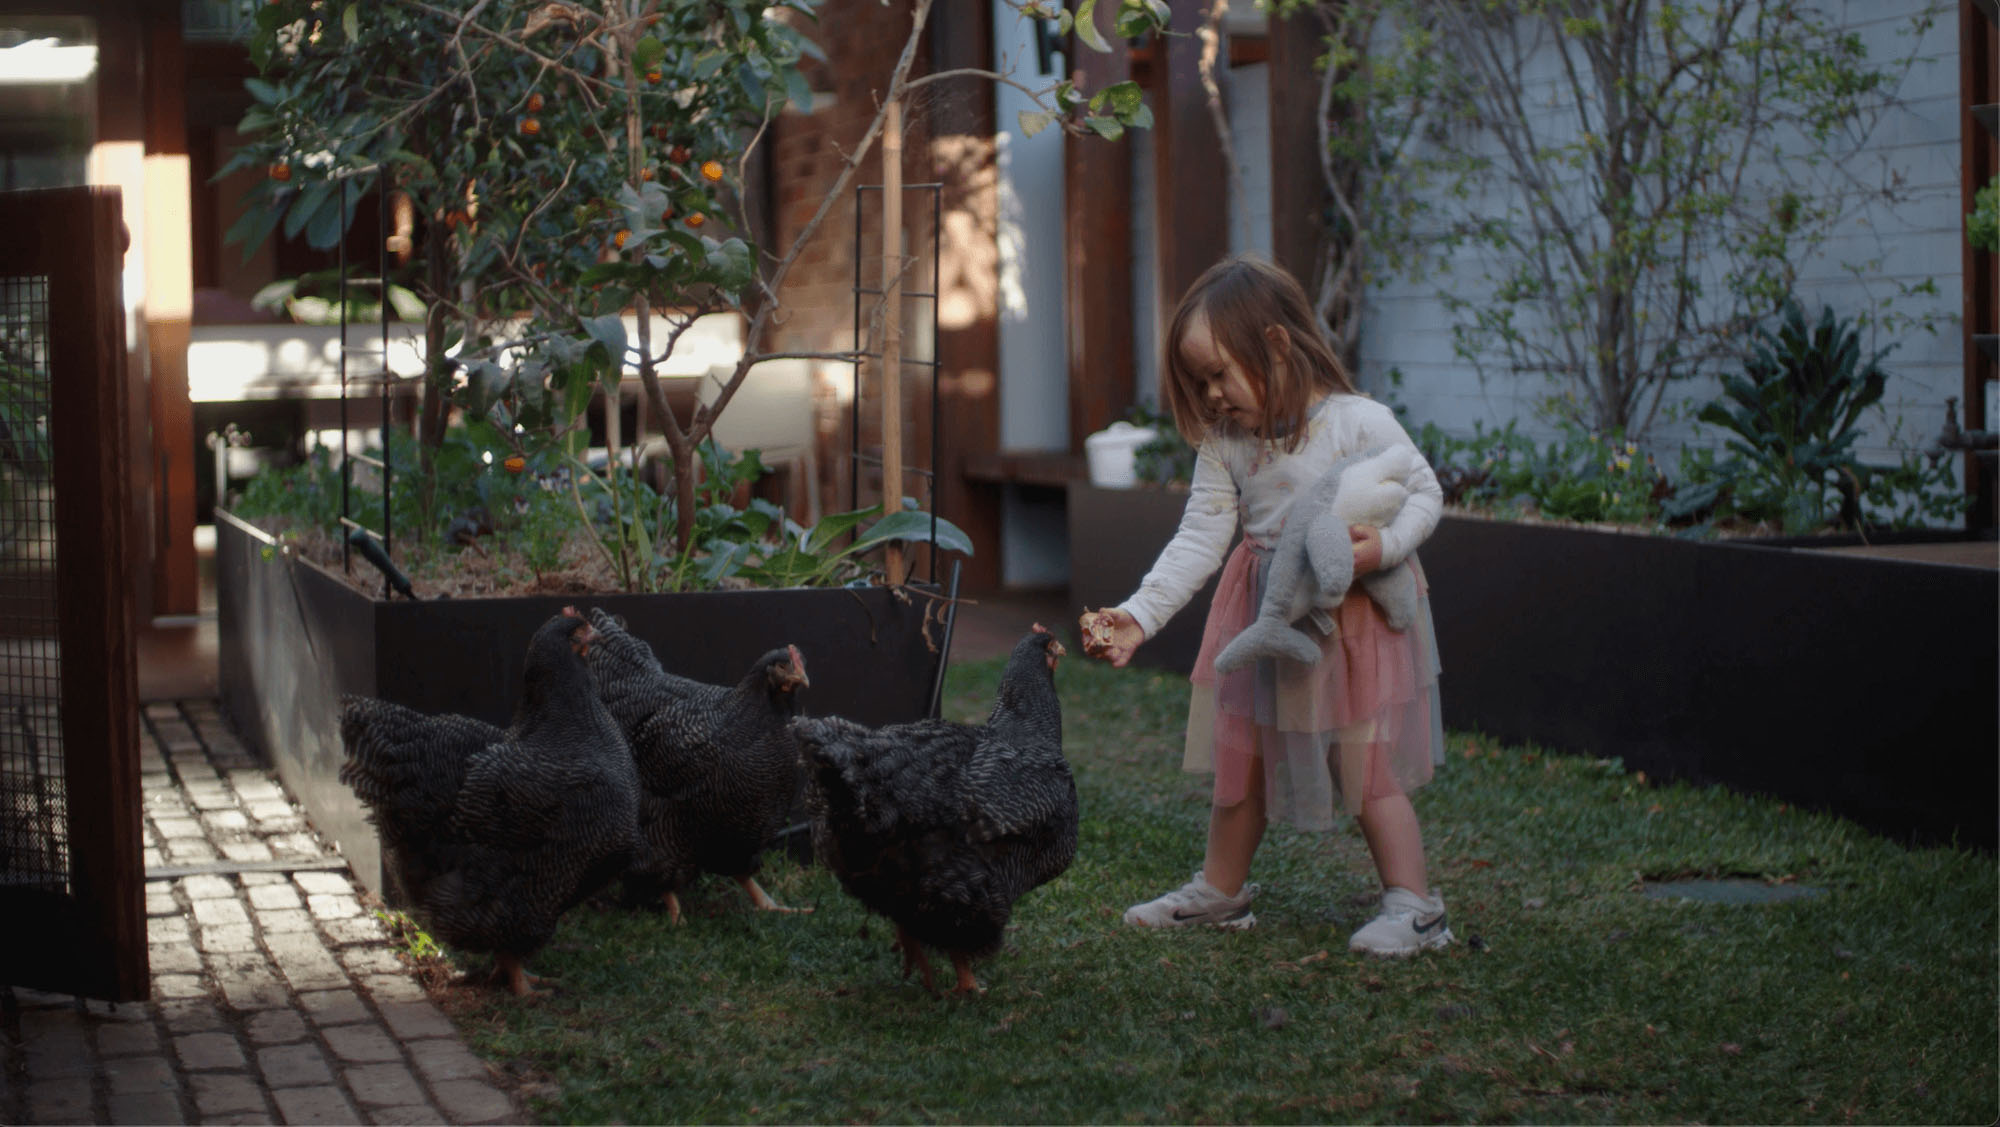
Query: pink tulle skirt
[[1361, 723]]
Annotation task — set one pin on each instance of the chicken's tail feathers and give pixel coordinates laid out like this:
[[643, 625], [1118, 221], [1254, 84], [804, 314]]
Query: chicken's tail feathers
[[1266, 637], [399, 758]]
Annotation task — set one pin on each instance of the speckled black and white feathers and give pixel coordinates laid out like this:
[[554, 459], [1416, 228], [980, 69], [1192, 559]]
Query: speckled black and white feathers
[[942, 826], [718, 771], [494, 833]]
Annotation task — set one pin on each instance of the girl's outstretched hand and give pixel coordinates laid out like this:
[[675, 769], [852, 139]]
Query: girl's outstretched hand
[[1110, 634], [1367, 547]]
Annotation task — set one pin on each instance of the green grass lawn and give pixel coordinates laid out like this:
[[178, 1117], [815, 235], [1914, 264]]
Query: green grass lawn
[[1570, 996]]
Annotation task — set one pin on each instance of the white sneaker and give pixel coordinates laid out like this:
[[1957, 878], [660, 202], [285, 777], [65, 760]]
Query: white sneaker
[[1407, 924], [1196, 902]]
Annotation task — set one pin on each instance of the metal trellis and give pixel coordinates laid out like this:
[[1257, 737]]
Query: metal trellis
[[856, 456], [384, 379]]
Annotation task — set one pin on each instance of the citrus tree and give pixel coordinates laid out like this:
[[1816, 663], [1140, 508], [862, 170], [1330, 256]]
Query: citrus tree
[[570, 163]]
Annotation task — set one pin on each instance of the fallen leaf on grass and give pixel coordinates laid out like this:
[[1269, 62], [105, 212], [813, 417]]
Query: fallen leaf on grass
[[1316, 956]]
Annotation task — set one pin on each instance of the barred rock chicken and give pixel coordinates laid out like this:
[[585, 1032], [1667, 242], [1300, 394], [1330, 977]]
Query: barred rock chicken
[[494, 834], [942, 826], [718, 771]]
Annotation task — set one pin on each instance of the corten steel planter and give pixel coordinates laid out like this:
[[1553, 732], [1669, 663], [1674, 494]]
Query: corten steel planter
[[295, 636], [1866, 687]]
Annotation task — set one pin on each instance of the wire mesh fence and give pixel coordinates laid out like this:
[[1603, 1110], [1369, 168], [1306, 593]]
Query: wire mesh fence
[[34, 847]]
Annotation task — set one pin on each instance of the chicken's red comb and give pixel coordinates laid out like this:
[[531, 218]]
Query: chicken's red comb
[[572, 612], [1039, 628]]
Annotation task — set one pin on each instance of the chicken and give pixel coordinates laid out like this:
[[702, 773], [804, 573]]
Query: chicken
[[492, 834], [718, 771], [942, 826]]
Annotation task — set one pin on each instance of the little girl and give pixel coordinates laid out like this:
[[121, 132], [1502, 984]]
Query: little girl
[[1252, 381]]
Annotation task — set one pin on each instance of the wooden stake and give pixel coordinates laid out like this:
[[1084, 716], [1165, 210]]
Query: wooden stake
[[892, 329]]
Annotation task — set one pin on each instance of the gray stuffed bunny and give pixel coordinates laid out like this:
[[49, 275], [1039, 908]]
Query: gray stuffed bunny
[[1312, 566]]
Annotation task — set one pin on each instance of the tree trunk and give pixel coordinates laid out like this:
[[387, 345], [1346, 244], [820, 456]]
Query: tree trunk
[[437, 367]]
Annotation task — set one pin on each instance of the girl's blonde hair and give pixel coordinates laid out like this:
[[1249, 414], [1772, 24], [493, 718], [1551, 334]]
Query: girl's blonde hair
[[1243, 297]]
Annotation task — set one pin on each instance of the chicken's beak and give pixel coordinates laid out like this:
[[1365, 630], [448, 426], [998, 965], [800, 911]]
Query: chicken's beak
[[583, 639], [1055, 652], [794, 675]]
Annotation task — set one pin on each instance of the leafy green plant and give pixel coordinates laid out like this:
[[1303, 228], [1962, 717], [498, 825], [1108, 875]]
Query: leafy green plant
[[408, 935], [1577, 475], [313, 298], [1166, 458], [534, 507], [1793, 415], [1982, 224], [306, 495], [1916, 492]]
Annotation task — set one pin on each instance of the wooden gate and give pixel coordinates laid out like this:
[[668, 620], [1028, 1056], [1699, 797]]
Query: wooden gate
[[71, 879]]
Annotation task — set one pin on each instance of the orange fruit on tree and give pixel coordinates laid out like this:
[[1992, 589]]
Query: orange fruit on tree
[[666, 215], [711, 170], [678, 154], [646, 173], [695, 219], [618, 240], [530, 126], [281, 171], [515, 463], [653, 76], [534, 103]]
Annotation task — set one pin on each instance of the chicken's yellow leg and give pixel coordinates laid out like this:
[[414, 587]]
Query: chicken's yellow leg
[[761, 898], [510, 969], [913, 956], [966, 983]]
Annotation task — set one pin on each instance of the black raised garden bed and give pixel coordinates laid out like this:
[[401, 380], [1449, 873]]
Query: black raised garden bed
[[294, 637], [1863, 686]]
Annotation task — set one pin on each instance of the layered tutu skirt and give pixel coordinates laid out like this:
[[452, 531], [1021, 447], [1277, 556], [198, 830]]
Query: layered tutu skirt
[[1321, 739]]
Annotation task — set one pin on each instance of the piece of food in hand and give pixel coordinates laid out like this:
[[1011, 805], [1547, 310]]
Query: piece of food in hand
[[1097, 627]]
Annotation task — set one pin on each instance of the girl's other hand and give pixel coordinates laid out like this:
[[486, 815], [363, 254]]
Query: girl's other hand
[[1110, 634], [1367, 547]]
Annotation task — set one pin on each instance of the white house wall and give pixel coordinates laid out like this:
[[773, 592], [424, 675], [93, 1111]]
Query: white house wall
[[1917, 238]]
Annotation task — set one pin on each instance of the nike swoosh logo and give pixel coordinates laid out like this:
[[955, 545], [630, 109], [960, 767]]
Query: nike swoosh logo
[[1426, 929], [1183, 914]]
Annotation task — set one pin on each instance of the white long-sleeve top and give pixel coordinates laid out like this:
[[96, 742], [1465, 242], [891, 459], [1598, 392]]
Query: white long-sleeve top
[[1238, 477]]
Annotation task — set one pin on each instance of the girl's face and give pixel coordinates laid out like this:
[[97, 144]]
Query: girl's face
[[1225, 386]]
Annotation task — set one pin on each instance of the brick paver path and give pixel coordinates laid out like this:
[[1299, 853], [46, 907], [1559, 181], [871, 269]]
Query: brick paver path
[[277, 998]]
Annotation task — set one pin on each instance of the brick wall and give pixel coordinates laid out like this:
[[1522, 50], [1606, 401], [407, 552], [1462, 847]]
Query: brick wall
[[945, 139]]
